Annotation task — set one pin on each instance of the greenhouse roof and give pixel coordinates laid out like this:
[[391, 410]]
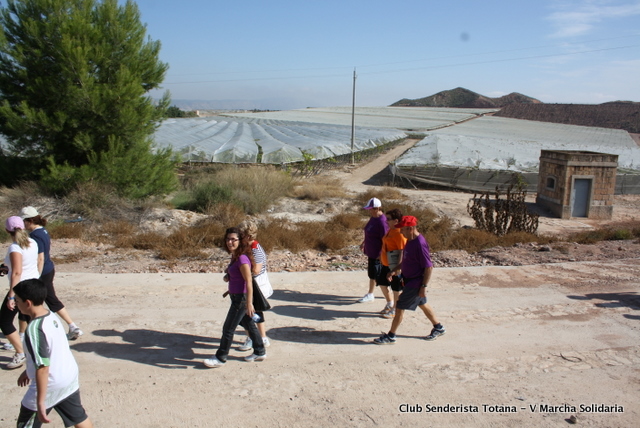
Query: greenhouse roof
[[512, 144], [417, 119], [255, 140]]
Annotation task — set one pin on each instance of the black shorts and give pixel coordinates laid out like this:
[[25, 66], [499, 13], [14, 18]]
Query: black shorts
[[52, 300], [410, 299], [70, 410], [373, 268], [396, 282]]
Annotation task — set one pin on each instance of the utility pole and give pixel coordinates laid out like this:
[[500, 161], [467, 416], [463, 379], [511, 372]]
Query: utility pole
[[353, 116]]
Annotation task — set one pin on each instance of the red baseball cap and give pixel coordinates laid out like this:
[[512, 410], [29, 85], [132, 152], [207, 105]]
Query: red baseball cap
[[407, 221]]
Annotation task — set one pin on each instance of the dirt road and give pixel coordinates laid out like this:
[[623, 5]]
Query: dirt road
[[518, 339], [525, 346]]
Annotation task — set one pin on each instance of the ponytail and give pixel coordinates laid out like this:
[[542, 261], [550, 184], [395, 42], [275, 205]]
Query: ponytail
[[22, 238]]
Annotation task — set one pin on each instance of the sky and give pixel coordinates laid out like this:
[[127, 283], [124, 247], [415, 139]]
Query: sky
[[303, 53]]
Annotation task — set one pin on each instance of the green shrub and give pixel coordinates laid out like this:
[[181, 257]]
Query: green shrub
[[208, 194], [620, 235], [255, 188]]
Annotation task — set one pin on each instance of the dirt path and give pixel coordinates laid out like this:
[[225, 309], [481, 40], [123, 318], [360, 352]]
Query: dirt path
[[525, 346], [517, 338], [357, 177]]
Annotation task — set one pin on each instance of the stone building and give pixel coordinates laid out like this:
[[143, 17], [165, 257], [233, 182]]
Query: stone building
[[577, 183]]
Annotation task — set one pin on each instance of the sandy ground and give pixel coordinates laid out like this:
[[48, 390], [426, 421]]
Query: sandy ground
[[527, 345], [518, 338]]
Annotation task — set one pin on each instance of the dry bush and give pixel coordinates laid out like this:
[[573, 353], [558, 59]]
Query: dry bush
[[206, 234], [282, 235], [503, 215], [74, 257], [589, 237], [318, 188], [189, 242], [140, 241], [331, 240], [321, 236], [424, 215], [512, 238], [112, 231], [171, 254], [21, 195], [471, 240], [612, 232], [255, 188], [100, 203], [438, 232], [226, 214], [62, 230], [347, 221], [385, 194]]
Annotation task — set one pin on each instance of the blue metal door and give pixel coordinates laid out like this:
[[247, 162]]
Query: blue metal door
[[580, 195]]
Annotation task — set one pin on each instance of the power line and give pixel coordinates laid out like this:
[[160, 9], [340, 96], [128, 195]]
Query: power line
[[405, 69]]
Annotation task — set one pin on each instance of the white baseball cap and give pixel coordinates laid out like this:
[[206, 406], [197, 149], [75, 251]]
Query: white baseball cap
[[28, 212], [373, 203]]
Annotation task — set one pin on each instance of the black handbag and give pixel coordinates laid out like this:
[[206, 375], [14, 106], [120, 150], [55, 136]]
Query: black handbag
[[260, 303]]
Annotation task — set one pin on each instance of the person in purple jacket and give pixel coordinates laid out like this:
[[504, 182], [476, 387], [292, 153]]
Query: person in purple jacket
[[241, 310], [371, 246], [416, 273]]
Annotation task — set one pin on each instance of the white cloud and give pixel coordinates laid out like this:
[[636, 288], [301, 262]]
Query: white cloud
[[579, 18]]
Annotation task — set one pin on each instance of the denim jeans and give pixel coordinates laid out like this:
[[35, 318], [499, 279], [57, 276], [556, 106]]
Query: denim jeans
[[238, 315]]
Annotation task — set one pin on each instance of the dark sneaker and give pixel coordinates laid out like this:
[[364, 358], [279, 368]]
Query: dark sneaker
[[385, 339], [435, 332], [390, 314]]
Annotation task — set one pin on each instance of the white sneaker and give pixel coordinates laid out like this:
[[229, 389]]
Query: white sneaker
[[213, 362], [253, 357], [8, 347], [74, 333], [366, 298], [247, 345], [18, 361], [266, 342]]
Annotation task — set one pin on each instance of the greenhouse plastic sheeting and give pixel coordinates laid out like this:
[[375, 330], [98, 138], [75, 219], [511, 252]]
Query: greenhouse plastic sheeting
[[467, 179], [415, 119], [478, 180], [240, 140], [497, 143]]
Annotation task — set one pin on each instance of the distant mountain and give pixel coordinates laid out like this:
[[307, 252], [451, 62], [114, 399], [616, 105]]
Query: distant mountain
[[464, 98]]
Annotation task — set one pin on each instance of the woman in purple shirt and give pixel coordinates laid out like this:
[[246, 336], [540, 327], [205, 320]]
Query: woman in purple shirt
[[240, 291]]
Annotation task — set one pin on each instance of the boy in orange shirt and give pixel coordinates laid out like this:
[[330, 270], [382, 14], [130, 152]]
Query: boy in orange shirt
[[393, 243]]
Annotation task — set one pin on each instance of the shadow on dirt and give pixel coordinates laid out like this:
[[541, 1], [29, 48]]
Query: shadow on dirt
[[156, 348], [629, 300]]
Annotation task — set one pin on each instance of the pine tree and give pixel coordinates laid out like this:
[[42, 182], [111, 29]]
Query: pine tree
[[74, 78]]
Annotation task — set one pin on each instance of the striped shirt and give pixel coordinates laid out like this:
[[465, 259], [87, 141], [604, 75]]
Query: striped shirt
[[259, 256], [46, 345]]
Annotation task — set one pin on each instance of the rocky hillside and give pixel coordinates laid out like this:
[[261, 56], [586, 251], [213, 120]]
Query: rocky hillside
[[617, 115], [464, 98]]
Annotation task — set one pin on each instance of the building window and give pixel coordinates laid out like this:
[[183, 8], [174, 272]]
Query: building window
[[551, 183]]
